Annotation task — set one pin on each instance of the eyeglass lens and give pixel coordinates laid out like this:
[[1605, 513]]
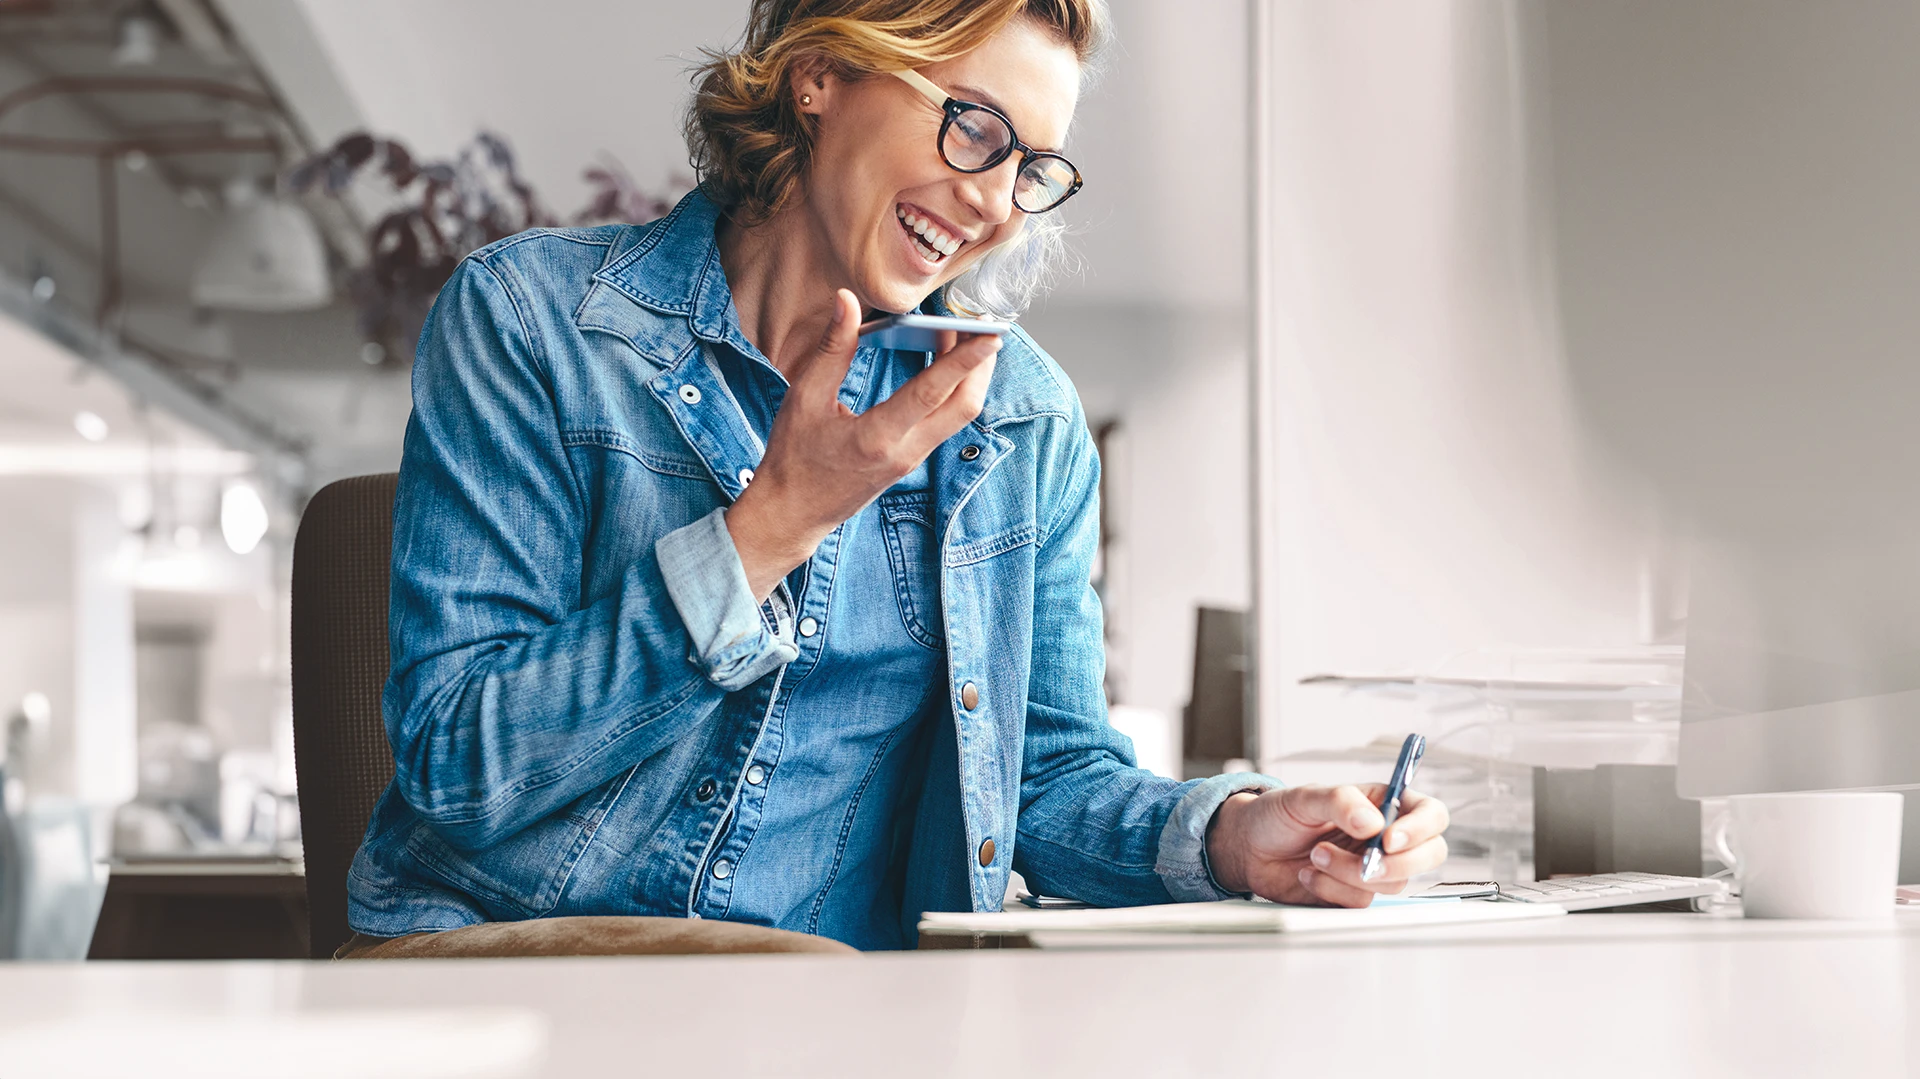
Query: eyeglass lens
[[976, 139]]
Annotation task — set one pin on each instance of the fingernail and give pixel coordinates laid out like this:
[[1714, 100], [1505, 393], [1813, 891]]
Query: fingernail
[[1321, 858], [1306, 876], [1396, 840]]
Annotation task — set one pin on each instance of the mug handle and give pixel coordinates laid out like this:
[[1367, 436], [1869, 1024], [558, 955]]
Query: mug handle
[[1722, 847]]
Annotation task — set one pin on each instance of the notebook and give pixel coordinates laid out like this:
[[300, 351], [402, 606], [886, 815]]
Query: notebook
[[1234, 916]]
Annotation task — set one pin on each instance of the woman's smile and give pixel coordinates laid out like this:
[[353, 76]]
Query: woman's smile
[[931, 241]]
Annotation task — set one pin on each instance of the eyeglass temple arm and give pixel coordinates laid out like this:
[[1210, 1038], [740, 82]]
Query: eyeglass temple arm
[[925, 86]]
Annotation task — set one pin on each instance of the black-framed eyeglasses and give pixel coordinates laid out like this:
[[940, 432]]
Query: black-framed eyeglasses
[[977, 138]]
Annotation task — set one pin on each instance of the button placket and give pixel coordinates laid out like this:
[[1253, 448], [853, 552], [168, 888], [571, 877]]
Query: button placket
[[714, 880]]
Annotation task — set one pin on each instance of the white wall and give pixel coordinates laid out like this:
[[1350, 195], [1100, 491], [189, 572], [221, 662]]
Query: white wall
[[1437, 493], [1153, 329], [66, 628], [105, 739]]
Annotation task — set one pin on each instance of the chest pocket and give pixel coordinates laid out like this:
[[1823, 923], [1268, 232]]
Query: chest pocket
[[906, 519]]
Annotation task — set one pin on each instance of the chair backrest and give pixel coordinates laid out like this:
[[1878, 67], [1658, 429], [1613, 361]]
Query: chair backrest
[[341, 561]]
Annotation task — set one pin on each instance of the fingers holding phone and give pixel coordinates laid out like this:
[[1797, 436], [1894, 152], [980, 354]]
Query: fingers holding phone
[[823, 462]]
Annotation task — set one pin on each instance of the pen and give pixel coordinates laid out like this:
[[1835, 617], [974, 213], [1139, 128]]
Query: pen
[[1410, 753]]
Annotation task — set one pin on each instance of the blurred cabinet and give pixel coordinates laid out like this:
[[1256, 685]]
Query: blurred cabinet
[[203, 910]]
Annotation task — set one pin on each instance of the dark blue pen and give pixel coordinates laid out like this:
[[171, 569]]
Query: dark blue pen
[[1411, 751]]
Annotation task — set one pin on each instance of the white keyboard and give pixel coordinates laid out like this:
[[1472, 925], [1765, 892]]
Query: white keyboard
[[1610, 890]]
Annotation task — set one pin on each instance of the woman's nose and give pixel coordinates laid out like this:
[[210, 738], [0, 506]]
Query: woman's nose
[[989, 194]]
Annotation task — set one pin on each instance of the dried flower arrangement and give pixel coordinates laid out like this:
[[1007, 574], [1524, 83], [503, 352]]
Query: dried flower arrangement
[[444, 210]]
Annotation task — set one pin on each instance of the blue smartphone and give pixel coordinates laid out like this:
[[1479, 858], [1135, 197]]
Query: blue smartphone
[[915, 332]]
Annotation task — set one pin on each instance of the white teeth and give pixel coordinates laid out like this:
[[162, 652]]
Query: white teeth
[[930, 234]]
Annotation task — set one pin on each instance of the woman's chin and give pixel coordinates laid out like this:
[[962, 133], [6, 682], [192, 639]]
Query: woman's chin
[[898, 296]]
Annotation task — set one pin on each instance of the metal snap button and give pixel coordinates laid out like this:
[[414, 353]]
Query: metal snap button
[[986, 853], [756, 775], [690, 394], [746, 476], [969, 696], [706, 789], [968, 453], [722, 869], [809, 627]]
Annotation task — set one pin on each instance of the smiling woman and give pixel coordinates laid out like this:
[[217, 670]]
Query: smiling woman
[[704, 609], [753, 138]]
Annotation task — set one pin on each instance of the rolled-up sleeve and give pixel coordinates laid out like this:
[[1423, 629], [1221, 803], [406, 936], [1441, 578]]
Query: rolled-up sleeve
[[735, 640], [1182, 861]]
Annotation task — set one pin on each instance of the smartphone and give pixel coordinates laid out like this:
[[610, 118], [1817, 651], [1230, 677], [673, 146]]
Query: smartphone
[[915, 332]]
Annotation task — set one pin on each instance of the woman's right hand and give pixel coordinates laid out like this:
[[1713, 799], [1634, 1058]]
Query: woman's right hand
[[824, 462]]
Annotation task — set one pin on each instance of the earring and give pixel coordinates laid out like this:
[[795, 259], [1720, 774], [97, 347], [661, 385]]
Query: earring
[[806, 99]]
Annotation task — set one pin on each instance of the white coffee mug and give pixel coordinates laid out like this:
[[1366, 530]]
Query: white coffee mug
[[1819, 854]]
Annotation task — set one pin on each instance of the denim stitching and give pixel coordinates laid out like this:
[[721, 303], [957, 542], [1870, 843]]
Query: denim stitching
[[619, 442], [488, 808], [846, 828], [981, 550], [907, 507]]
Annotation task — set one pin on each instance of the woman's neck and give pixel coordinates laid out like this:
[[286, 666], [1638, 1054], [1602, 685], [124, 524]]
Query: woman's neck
[[782, 280]]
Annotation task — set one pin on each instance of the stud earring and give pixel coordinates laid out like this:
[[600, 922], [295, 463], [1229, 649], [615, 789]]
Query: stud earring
[[806, 99]]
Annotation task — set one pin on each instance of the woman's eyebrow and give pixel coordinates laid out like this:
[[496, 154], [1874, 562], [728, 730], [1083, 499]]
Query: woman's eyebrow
[[979, 96]]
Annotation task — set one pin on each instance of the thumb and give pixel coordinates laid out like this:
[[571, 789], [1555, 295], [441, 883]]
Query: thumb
[[843, 329], [834, 354]]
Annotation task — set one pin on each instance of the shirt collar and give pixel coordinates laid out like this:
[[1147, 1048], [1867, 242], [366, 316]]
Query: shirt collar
[[676, 270]]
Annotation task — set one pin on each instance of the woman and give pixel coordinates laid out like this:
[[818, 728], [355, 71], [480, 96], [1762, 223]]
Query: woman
[[714, 629]]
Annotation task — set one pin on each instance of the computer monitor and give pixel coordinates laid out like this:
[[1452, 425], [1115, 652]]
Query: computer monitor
[[1731, 197]]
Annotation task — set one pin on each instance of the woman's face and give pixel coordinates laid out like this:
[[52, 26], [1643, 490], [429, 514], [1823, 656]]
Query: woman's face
[[877, 163]]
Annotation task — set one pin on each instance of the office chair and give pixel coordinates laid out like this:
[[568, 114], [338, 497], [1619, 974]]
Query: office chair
[[341, 558]]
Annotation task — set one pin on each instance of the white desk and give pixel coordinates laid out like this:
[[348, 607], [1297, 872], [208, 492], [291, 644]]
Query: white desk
[[1592, 994]]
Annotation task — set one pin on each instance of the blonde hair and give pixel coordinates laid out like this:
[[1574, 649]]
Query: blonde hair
[[751, 145]]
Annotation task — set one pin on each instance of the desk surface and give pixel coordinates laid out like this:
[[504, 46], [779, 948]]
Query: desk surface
[[1594, 994]]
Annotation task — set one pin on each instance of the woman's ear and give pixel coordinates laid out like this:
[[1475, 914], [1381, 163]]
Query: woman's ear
[[811, 83]]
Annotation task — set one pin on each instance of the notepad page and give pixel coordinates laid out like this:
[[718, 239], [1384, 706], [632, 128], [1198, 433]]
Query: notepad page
[[1233, 916]]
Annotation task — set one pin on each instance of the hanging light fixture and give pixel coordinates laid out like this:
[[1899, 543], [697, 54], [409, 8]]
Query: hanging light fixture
[[243, 517], [266, 254], [136, 39]]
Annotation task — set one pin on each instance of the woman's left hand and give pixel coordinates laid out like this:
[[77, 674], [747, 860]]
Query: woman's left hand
[[1302, 844]]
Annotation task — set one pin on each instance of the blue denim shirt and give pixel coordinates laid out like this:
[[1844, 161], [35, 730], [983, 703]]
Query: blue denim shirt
[[811, 844], [582, 677]]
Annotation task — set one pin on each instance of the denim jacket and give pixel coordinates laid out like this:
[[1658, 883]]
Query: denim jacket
[[555, 713]]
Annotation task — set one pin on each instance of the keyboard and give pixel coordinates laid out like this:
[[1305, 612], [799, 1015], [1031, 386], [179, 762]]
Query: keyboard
[[1610, 890]]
